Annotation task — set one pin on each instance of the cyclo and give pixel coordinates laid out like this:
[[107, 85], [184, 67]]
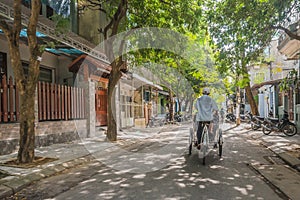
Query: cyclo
[[212, 138]]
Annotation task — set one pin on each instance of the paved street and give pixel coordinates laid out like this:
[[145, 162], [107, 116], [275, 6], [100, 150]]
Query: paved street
[[159, 168]]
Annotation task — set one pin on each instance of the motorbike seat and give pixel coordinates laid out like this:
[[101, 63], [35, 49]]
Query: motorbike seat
[[276, 120], [260, 118]]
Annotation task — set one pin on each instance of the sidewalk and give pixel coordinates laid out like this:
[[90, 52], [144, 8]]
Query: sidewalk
[[67, 156], [287, 148], [281, 174]]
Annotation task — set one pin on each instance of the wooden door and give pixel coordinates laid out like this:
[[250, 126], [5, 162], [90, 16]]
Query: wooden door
[[101, 107]]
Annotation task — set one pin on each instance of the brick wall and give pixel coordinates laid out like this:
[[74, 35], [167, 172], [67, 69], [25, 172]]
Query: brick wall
[[47, 133]]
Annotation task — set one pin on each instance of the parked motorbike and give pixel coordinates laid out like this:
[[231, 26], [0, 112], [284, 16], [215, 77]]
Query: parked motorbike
[[158, 120], [246, 117], [230, 117], [178, 117], [256, 122], [284, 125]]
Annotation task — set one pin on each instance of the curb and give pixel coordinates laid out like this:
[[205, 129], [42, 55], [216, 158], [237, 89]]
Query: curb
[[14, 185], [290, 160]]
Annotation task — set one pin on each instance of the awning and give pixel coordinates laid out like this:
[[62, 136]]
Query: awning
[[144, 81], [95, 67]]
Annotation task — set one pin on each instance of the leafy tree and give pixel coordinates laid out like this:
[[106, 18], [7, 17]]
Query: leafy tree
[[184, 74], [241, 29], [25, 84], [179, 15]]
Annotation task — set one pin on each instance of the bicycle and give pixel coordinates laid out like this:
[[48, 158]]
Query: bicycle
[[204, 141]]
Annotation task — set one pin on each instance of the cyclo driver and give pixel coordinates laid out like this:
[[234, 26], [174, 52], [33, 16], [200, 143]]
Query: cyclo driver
[[206, 107]]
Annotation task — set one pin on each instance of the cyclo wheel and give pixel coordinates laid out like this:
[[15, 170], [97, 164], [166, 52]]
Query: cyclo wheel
[[205, 142], [191, 138], [220, 141], [204, 154], [289, 129]]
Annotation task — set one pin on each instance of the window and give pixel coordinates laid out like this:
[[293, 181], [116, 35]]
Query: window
[[49, 7], [147, 96], [46, 74]]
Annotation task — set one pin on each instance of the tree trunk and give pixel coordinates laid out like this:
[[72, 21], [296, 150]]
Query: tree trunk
[[171, 105], [179, 105], [253, 106], [26, 85], [114, 77], [254, 109], [27, 132]]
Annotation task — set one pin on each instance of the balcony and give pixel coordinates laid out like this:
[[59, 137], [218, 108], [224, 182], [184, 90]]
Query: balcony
[[288, 46], [47, 27]]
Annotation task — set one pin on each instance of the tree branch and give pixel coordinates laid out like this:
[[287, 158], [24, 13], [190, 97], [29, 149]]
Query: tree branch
[[4, 26], [288, 32], [34, 49], [17, 18], [118, 16]]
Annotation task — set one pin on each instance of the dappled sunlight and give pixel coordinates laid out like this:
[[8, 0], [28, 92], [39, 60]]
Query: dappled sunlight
[[142, 171], [217, 167], [243, 191], [209, 180], [139, 176], [88, 181]]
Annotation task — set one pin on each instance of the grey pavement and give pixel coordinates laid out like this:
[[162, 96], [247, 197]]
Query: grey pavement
[[67, 155], [79, 152], [286, 176]]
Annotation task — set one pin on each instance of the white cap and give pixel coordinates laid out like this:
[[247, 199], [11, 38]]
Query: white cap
[[206, 91]]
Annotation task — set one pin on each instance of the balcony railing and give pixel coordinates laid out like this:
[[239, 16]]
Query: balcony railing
[[47, 27]]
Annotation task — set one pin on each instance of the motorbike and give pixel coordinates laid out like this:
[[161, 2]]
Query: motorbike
[[178, 117], [158, 120], [284, 125], [246, 117], [230, 117], [256, 121]]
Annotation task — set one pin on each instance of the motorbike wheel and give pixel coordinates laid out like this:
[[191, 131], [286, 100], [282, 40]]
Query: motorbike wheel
[[254, 126], [231, 117], [290, 129], [266, 129]]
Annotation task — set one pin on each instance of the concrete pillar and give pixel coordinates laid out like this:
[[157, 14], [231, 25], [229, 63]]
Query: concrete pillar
[[90, 109], [276, 101], [261, 109], [285, 103]]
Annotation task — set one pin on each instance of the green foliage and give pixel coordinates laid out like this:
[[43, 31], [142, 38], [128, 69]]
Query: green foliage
[[291, 80], [241, 29], [62, 24], [42, 47]]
